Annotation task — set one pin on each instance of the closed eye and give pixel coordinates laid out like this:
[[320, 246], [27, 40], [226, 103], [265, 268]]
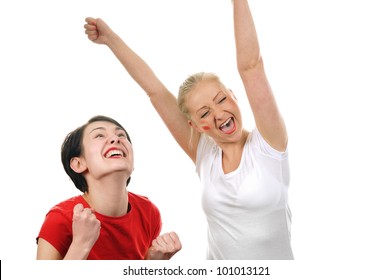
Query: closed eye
[[222, 100], [205, 114]]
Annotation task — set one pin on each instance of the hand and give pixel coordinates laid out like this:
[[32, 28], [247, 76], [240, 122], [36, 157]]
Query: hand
[[97, 30], [85, 227], [164, 247]]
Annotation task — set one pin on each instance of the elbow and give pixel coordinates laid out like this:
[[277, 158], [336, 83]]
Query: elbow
[[249, 65]]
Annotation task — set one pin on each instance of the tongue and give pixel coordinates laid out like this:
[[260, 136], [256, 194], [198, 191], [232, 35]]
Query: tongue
[[228, 128]]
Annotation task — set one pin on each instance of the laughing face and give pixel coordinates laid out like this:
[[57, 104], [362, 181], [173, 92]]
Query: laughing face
[[106, 150], [214, 111]]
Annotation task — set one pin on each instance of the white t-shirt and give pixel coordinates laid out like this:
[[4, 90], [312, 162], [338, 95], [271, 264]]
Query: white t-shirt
[[247, 210]]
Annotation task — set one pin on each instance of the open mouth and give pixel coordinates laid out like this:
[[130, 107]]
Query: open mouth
[[113, 153], [228, 126]]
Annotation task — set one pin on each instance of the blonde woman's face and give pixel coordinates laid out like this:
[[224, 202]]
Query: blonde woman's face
[[214, 110]]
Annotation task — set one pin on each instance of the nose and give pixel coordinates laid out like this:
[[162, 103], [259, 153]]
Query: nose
[[219, 114], [114, 139]]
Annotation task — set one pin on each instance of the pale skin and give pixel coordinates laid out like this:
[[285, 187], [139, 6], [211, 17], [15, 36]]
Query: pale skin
[[217, 103], [107, 195]]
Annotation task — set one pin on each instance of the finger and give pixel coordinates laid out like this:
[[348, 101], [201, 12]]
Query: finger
[[90, 27], [91, 20], [170, 237], [154, 244], [78, 208], [91, 32], [157, 242], [95, 221], [165, 243], [176, 240], [172, 241], [88, 211], [99, 21], [160, 245], [174, 236], [167, 239], [92, 37]]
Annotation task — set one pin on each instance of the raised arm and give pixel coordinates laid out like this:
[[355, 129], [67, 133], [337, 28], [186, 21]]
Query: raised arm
[[251, 69], [161, 98]]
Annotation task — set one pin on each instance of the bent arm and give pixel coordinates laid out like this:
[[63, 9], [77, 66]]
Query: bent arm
[[251, 69], [85, 232], [46, 251], [164, 102]]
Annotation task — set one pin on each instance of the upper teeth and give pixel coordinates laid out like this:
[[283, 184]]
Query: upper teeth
[[226, 122], [114, 152]]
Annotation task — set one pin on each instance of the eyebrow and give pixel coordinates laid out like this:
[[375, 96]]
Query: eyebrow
[[216, 96], [101, 127], [204, 107]]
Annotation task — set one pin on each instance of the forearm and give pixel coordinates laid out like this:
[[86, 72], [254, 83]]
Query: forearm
[[137, 68], [77, 252], [247, 46], [251, 69], [164, 102]]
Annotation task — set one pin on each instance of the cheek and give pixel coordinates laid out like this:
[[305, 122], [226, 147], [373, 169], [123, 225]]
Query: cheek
[[129, 148], [204, 125]]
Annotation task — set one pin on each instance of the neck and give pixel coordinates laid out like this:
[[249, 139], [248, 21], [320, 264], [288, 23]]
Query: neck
[[232, 153], [107, 198], [232, 148]]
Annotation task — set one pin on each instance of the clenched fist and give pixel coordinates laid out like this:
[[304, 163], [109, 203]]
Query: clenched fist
[[98, 31], [164, 247], [85, 227]]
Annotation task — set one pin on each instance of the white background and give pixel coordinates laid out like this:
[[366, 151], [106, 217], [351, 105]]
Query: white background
[[328, 62]]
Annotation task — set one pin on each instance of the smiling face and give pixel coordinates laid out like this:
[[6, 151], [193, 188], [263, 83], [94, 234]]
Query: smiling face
[[214, 110], [106, 150]]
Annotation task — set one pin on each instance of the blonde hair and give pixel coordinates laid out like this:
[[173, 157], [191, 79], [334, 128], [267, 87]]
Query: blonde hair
[[189, 84]]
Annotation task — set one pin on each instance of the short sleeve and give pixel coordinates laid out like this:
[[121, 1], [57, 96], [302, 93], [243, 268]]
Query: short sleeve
[[156, 224], [204, 148], [57, 230], [266, 148]]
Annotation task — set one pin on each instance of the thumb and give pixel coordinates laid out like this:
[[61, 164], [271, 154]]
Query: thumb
[[78, 208]]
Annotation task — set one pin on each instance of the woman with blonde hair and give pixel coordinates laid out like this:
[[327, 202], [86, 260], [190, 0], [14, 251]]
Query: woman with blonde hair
[[245, 174]]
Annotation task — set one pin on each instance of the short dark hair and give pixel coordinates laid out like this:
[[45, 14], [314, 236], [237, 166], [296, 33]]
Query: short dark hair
[[73, 146]]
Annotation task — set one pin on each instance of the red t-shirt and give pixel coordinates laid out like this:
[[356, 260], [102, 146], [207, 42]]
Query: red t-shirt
[[127, 237]]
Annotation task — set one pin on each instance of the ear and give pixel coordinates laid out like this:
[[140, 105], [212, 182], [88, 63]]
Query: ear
[[78, 164], [194, 126]]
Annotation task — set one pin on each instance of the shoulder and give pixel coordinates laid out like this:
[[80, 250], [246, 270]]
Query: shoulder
[[68, 203], [257, 141], [141, 201], [65, 207], [58, 220], [137, 198], [206, 146]]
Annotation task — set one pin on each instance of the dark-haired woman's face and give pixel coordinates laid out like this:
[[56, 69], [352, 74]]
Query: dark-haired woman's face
[[106, 151]]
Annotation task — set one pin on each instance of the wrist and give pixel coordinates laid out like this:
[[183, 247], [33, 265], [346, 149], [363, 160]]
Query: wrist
[[77, 252], [113, 40]]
